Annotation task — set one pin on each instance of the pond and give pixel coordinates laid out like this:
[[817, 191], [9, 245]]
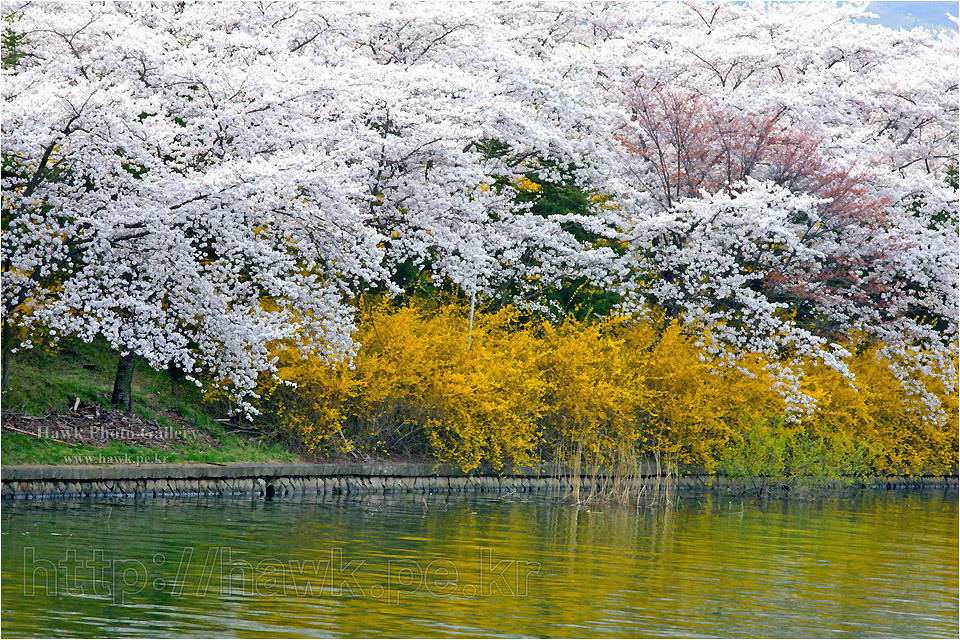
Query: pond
[[868, 564]]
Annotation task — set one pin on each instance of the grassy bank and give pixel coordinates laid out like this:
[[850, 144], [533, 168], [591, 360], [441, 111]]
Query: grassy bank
[[21, 449], [66, 393]]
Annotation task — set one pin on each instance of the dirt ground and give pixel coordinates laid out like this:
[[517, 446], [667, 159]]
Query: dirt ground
[[96, 425]]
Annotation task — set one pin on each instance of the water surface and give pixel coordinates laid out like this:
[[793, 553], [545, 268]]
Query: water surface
[[872, 564]]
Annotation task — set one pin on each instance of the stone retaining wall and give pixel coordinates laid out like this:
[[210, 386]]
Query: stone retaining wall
[[277, 480], [262, 480]]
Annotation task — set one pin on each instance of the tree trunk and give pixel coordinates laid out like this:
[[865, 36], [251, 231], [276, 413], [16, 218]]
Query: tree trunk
[[7, 338], [176, 374], [122, 396]]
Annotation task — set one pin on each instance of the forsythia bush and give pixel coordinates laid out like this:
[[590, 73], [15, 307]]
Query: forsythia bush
[[604, 392], [418, 387]]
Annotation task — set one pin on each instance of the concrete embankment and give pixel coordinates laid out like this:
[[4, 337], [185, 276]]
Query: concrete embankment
[[275, 480]]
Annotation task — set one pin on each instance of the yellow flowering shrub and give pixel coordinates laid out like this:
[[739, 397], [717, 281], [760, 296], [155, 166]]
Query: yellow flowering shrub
[[594, 391], [602, 392], [884, 415], [418, 387]]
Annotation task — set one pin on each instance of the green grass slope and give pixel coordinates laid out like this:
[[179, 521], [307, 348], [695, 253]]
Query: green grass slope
[[46, 384]]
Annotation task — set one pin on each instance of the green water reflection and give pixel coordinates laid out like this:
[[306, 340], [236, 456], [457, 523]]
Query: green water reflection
[[875, 564]]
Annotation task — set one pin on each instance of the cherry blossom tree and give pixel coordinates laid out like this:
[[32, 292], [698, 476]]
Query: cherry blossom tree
[[196, 184], [783, 181], [154, 199], [199, 182]]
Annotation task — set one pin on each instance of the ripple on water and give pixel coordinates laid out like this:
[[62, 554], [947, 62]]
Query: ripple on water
[[877, 564]]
